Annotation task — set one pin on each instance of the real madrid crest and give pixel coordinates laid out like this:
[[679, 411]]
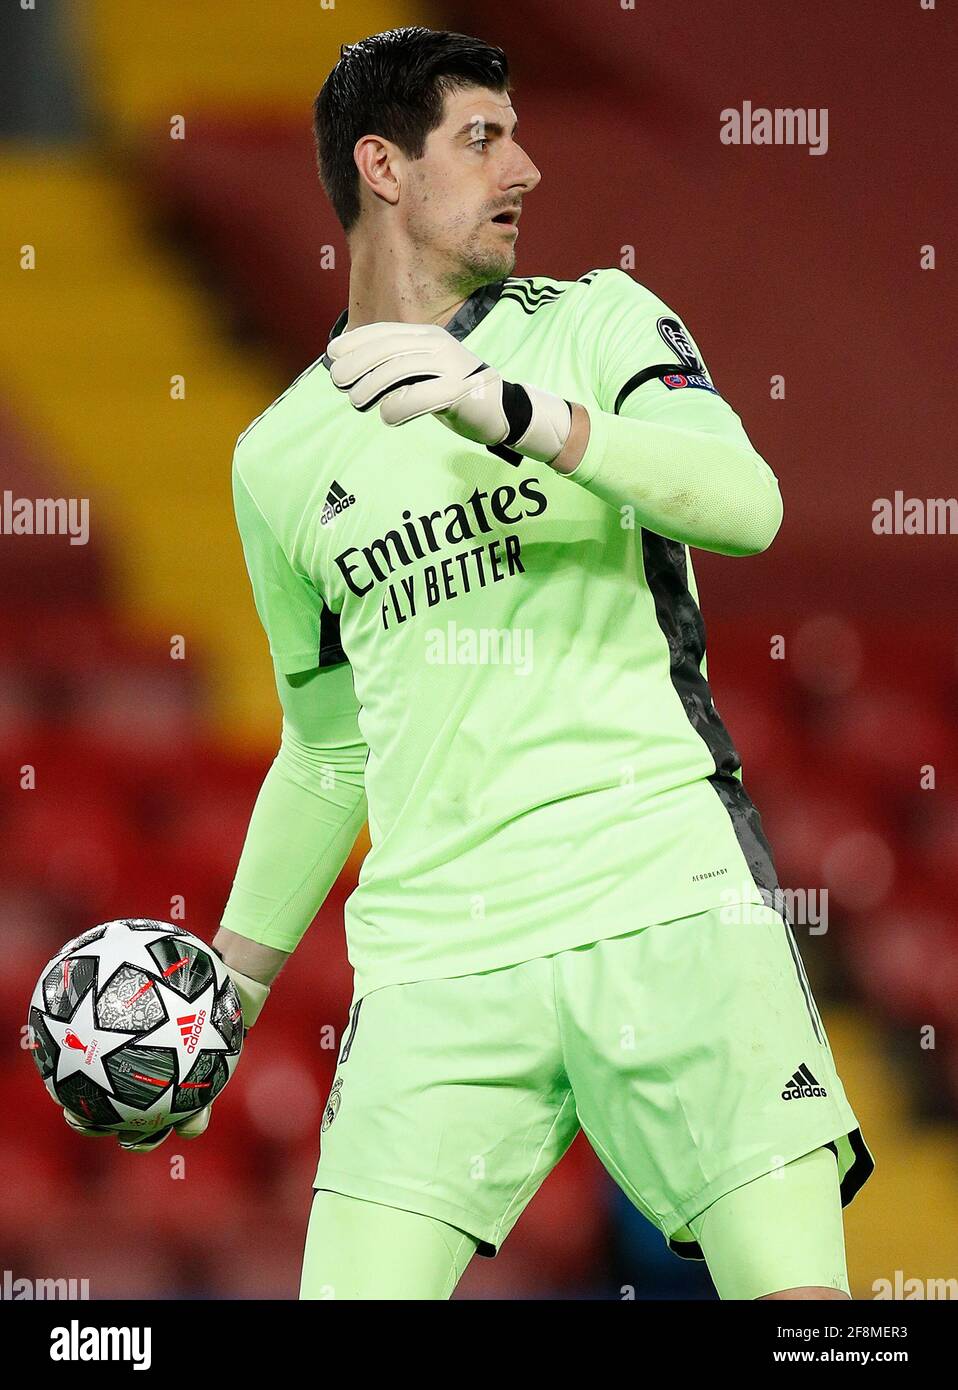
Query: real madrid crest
[[332, 1104]]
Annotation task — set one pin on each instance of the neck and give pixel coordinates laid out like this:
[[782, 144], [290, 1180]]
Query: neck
[[397, 283]]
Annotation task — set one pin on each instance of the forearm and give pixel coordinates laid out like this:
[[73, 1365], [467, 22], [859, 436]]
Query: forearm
[[685, 484], [309, 811], [251, 958]]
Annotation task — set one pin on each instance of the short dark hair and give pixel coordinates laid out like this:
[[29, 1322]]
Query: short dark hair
[[393, 84]]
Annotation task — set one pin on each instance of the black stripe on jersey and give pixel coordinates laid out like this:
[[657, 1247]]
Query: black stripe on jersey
[[681, 622], [527, 282], [524, 284], [524, 304], [660, 370], [528, 298], [352, 1031], [747, 824], [330, 647]]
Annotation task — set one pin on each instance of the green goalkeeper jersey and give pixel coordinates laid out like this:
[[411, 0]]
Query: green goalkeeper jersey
[[545, 764]]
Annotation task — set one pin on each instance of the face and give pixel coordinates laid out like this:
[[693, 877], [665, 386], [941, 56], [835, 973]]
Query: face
[[472, 170]]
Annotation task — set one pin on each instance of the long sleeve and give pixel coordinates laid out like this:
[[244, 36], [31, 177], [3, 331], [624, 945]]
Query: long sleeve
[[687, 484], [309, 811], [312, 803], [663, 441]]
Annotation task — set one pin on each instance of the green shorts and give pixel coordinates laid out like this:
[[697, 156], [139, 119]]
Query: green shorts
[[690, 1052]]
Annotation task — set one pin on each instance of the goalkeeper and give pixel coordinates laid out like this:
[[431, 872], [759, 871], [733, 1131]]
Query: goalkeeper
[[467, 528]]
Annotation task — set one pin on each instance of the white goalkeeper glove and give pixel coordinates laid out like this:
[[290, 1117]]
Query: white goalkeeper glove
[[252, 997], [413, 369]]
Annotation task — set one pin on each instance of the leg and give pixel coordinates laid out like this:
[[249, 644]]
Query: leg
[[780, 1235], [703, 1079], [448, 1109], [362, 1250]]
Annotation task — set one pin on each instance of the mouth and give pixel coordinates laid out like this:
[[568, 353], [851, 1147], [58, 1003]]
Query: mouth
[[509, 218]]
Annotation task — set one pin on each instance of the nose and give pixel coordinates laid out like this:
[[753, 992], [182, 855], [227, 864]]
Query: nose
[[531, 175], [522, 173]]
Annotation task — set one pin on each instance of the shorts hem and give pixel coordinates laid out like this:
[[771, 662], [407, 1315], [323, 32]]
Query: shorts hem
[[857, 1174], [407, 1199]]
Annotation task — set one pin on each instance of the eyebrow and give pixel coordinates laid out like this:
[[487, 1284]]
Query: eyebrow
[[496, 127]]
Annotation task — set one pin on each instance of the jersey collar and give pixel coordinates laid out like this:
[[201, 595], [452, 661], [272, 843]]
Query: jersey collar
[[465, 319]]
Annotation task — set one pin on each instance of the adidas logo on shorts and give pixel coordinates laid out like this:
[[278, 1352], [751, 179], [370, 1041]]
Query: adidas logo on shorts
[[802, 1085], [336, 501]]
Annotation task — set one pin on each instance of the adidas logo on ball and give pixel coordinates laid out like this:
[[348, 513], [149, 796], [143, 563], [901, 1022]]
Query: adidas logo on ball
[[191, 1029], [336, 501]]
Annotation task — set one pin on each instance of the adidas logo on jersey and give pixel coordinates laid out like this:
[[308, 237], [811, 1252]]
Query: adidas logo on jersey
[[336, 501], [802, 1085]]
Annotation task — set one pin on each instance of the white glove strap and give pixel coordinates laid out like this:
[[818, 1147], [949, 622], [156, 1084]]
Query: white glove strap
[[547, 429]]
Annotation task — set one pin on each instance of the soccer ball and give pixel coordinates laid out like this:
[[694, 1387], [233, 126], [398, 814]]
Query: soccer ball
[[135, 1025]]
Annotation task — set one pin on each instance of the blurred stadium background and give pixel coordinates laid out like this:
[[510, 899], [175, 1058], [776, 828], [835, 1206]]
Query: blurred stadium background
[[216, 258]]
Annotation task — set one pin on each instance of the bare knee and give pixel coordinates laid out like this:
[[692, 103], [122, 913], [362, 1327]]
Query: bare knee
[[808, 1291]]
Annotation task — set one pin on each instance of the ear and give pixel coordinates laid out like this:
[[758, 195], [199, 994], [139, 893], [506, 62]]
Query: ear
[[376, 159]]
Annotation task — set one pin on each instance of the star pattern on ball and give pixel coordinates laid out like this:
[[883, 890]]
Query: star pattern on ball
[[181, 1017], [75, 1038]]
